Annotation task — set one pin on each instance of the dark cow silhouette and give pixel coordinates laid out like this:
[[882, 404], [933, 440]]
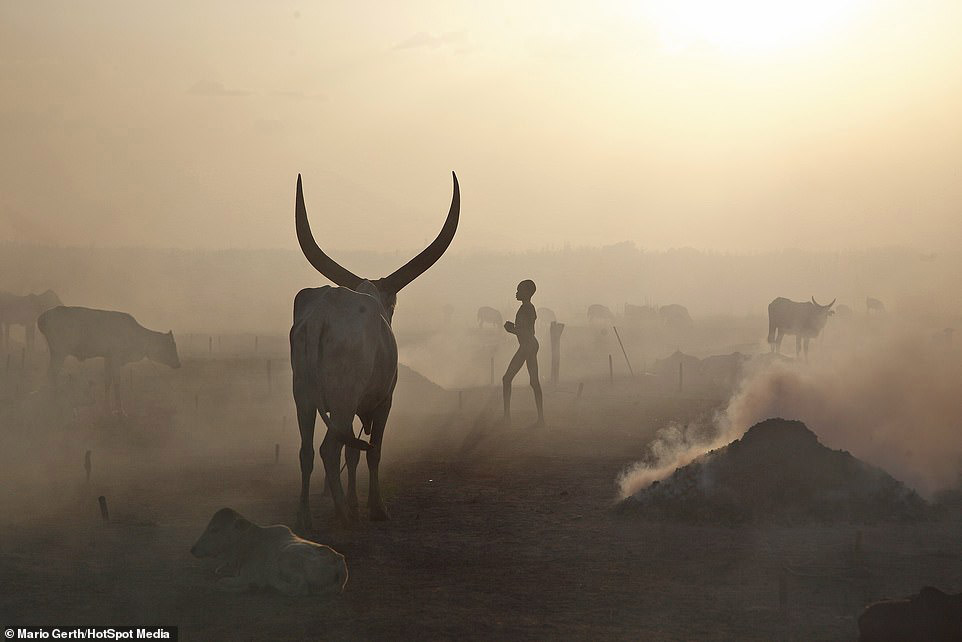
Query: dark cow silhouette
[[675, 316], [23, 310], [874, 306], [85, 333], [491, 316], [344, 362], [804, 320], [930, 615], [598, 313]]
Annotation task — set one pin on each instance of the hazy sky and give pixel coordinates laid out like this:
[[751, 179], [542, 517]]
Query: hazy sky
[[816, 124]]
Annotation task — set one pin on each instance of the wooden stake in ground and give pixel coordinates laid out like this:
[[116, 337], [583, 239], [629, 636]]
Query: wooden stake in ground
[[103, 508], [87, 464], [556, 330], [632, 372]]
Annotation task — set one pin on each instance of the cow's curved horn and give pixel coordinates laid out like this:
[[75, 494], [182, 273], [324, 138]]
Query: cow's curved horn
[[321, 262], [429, 255], [824, 307]]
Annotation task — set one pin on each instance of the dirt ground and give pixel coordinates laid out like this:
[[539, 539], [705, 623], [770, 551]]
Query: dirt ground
[[495, 533]]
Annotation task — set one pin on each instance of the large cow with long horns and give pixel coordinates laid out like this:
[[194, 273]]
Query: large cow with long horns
[[803, 319], [344, 362]]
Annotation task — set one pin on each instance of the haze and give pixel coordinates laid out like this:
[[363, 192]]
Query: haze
[[816, 126]]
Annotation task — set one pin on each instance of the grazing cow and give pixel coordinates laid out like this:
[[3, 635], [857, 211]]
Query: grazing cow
[[85, 333], [253, 556], [874, 306], [640, 313], [804, 320], [675, 316], [598, 313], [489, 315], [23, 310], [344, 362], [930, 615]]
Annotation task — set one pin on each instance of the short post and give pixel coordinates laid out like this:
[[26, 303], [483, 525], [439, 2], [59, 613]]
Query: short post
[[611, 371], [277, 453], [783, 593], [87, 465], [681, 376], [210, 345], [556, 330], [103, 508]]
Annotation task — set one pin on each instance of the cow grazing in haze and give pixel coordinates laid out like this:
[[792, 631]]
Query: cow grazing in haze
[[85, 333], [491, 316], [804, 320], [598, 313], [874, 306], [675, 316], [23, 310], [344, 362]]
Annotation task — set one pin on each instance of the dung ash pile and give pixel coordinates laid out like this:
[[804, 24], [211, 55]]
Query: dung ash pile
[[778, 471]]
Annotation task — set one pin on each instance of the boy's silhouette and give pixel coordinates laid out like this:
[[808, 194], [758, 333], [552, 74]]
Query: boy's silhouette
[[523, 328]]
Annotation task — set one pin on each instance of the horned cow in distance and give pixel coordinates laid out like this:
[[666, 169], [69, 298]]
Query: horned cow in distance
[[85, 333], [344, 362], [804, 320]]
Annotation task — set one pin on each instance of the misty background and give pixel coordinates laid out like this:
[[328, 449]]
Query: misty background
[[824, 126]]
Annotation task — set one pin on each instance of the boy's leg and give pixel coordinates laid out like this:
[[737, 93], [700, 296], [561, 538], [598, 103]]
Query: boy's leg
[[513, 367], [535, 381]]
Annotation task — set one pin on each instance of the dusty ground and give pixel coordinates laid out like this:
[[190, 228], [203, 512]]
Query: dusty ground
[[496, 534]]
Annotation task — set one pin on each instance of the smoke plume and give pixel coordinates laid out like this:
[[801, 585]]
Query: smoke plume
[[890, 396]]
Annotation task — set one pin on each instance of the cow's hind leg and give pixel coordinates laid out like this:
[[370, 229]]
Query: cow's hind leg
[[375, 503], [353, 456], [331, 456], [306, 416]]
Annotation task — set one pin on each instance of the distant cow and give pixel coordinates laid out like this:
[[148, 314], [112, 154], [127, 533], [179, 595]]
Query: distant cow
[[930, 615], [85, 333], [804, 320], [874, 306], [675, 316], [489, 315], [640, 313], [23, 310], [598, 313]]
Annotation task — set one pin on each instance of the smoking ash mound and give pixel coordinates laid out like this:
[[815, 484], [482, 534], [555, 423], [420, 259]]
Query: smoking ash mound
[[778, 471]]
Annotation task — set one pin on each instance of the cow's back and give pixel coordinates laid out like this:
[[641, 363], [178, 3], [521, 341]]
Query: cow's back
[[342, 347], [85, 333]]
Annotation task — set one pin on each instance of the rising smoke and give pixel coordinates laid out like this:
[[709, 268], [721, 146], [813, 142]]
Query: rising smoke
[[890, 395]]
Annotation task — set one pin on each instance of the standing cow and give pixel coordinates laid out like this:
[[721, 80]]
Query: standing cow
[[804, 320], [23, 310], [85, 333], [491, 316]]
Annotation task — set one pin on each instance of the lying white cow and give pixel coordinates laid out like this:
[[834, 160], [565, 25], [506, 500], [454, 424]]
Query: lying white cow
[[269, 556]]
